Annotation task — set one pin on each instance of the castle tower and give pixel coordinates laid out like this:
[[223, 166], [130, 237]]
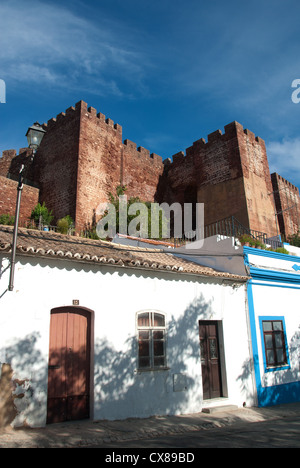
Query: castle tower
[[81, 160], [287, 201], [229, 174]]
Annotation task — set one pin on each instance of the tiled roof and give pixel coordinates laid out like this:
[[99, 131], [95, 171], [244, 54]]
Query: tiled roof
[[50, 244]]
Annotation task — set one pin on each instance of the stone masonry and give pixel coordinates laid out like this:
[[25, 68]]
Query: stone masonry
[[287, 201], [83, 157]]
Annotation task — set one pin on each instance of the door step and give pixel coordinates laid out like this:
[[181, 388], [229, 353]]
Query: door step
[[219, 409]]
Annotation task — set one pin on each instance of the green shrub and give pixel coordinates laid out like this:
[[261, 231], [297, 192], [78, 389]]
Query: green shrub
[[90, 234], [295, 240], [259, 244], [247, 239], [65, 224], [7, 219], [41, 215], [282, 250]]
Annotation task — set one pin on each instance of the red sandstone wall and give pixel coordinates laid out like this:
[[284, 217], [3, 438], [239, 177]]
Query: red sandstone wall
[[105, 162], [141, 171], [214, 168], [257, 181], [287, 201], [221, 186], [56, 163], [99, 164], [232, 177], [5, 161], [82, 158], [8, 197]]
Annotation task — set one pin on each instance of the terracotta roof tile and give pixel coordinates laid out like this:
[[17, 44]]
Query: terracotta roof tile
[[50, 244]]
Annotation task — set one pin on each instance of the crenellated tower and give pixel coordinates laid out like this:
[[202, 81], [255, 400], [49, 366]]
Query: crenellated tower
[[83, 157], [287, 202], [230, 174]]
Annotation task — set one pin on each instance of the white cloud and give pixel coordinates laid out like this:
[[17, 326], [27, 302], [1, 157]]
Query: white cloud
[[284, 158], [48, 44]]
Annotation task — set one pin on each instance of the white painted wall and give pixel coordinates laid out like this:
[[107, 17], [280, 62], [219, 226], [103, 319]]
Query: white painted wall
[[292, 249], [115, 296], [276, 262], [218, 252]]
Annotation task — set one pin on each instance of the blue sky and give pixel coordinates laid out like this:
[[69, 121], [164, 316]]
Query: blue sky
[[170, 72]]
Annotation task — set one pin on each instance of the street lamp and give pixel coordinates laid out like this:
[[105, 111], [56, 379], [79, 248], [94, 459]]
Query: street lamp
[[34, 136]]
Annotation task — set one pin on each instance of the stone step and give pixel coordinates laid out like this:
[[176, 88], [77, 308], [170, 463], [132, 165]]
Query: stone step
[[219, 409]]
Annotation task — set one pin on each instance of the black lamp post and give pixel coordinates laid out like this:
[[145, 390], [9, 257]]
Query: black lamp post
[[34, 136]]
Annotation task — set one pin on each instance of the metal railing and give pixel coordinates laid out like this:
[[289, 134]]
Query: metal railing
[[228, 227], [232, 227]]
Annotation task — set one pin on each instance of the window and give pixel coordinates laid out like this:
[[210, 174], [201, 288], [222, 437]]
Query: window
[[275, 344], [151, 340]]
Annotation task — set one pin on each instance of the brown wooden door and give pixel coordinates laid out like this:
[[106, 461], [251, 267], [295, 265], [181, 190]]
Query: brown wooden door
[[210, 359], [69, 365]]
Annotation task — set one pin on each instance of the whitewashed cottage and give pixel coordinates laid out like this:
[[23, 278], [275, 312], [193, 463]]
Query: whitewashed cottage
[[104, 331]]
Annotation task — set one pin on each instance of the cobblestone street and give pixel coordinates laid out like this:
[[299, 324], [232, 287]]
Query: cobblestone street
[[275, 427]]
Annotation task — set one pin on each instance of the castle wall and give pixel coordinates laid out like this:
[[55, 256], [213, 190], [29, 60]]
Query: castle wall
[[56, 163], [105, 162], [221, 185], [5, 161], [83, 158], [214, 168], [8, 198], [287, 201], [99, 163], [11, 163], [141, 171], [257, 182], [232, 177]]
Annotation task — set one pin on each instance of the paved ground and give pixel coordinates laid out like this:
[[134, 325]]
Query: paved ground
[[275, 433], [162, 430]]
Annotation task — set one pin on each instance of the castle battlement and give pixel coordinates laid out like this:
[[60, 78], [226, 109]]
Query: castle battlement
[[142, 153], [91, 112], [9, 155], [81, 108], [285, 182], [232, 130]]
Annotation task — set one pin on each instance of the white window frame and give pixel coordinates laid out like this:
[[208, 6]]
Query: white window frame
[[151, 328]]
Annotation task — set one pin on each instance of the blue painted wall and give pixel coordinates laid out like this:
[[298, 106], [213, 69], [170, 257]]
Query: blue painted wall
[[283, 393]]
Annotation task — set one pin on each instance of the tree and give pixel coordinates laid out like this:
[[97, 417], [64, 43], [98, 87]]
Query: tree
[[131, 216], [41, 215]]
